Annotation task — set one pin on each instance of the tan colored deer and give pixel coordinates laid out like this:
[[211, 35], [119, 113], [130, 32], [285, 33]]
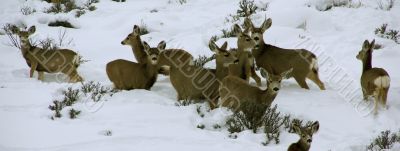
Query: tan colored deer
[[127, 75], [246, 60], [305, 134], [134, 40], [50, 61], [235, 91], [374, 81], [272, 58], [193, 83]]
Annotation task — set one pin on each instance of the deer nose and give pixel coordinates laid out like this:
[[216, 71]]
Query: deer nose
[[122, 43], [236, 61], [309, 141], [256, 38], [276, 89], [154, 59]]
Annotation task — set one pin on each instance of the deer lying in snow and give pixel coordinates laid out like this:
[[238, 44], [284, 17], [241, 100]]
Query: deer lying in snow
[[193, 83], [50, 61], [305, 134], [134, 40], [271, 58], [245, 68], [374, 81], [127, 75], [235, 91]]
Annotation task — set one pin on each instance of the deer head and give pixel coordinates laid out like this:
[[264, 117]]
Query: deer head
[[135, 35], [223, 56], [257, 33], [153, 53], [366, 48], [305, 133], [23, 35], [245, 42], [274, 80]]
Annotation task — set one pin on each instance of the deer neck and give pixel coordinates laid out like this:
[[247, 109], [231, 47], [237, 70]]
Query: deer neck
[[367, 62], [25, 46], [268, 96], [221, 71], [138, 49], [259, 51], [151, 69], [303, 146]]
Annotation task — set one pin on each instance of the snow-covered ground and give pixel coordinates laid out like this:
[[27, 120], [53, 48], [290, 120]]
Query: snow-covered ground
[[148, 120]]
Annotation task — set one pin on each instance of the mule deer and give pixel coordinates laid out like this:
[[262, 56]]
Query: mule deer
[[374, 81], [134, 40], [50, 61], [245, 67], [272, 58], [127, 75], [235, 91], [198, 83], [305, 134]]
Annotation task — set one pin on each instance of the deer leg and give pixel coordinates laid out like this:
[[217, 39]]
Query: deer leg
[[302, 82], [33, 68], [74, 76], [383, 98], [255, 76], [41, 76], [315, 78], [376, 104]]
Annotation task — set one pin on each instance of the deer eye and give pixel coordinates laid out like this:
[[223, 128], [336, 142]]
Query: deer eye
[[280, 81], [226, 55], [247, 39]]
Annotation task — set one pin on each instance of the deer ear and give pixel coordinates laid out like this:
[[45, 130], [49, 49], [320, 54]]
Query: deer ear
[[224, 46], [365, 45], [296, 128], [248, 23], [146, 47], [237, 30], [372, 44], [136, 30], [32, 29], [14, 29], [286, 73], [315, 127], [161, 46], [213, 47], [266, 24]]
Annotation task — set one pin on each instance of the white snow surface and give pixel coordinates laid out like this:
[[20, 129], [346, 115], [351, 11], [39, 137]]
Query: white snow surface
[[143, 120]]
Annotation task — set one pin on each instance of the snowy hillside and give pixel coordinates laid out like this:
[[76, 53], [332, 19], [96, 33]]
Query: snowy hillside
[[143, 120]]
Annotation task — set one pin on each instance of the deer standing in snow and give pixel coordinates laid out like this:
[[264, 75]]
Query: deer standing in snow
[[50, 61], [374, 81], [245, 68], [272, 58]]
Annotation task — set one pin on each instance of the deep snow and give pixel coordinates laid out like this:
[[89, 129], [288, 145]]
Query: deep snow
[[149, 120]]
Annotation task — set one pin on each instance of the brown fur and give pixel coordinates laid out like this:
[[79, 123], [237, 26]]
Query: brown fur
[[272, 58], [246, 67], [370, 75], [134, 40], [197, 83], [305, 134], [127, 75], [235, 91], [51, 61]]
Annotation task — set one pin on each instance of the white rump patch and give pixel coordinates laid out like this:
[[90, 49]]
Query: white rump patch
[[314, 64], [382, 81]]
